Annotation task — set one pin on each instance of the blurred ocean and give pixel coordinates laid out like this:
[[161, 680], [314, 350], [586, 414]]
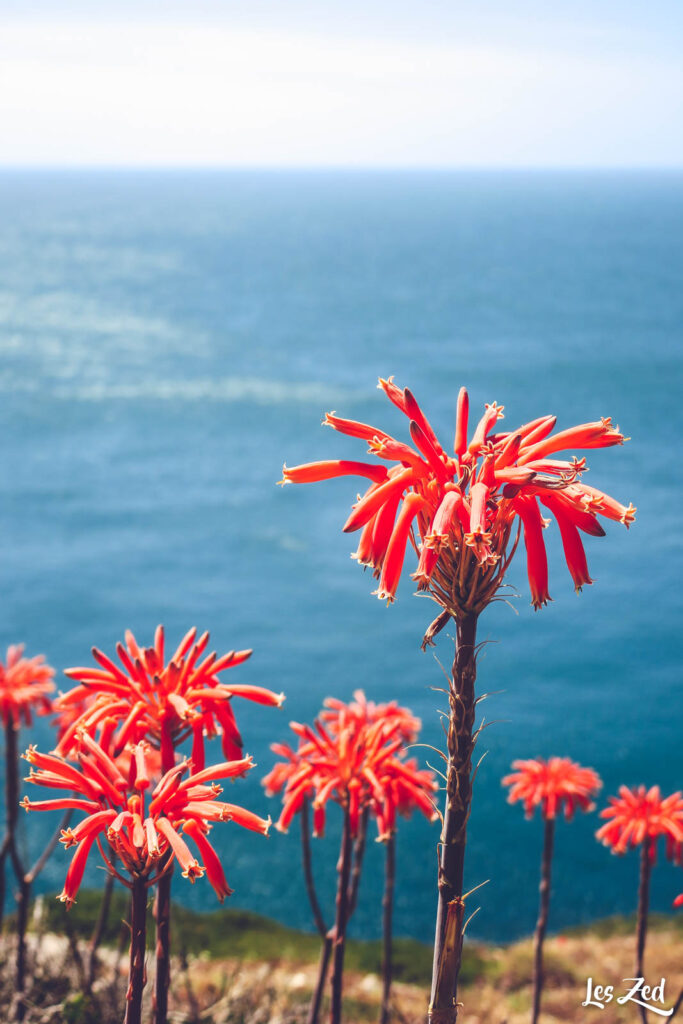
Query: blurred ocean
[[167, 340]]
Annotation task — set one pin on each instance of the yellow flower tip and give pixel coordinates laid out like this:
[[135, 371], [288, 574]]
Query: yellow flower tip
[[280, 699], [281, 483], [498, 408], [267, 826], [25, 803], [64, 898], [193, 871], [280, 828], [326, 422], [629, 515]]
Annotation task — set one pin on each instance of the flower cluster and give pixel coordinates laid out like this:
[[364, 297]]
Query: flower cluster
[[642, 815], [355, 757], [25, 686], [368, 712], [459, 512], [144, 825], [164, 702], [553, 785]]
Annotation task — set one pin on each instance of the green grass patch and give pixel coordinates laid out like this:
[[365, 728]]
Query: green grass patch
[[624, 924]]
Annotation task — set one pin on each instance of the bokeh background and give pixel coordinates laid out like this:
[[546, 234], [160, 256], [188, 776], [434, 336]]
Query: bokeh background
[[486, 200]]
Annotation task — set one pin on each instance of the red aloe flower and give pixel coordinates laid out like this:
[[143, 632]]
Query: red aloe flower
[[459, 511], [464, 514], [356, 763], [554, 785], [353, 755], [639, 817], [164, 702], [281, 772], [367, 711], [144, 826], [25, 685], [642, 815]]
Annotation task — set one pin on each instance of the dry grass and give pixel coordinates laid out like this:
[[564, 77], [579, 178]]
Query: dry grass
[[230, 991]]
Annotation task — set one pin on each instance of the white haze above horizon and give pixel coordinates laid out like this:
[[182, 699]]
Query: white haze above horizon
[[176, 90]]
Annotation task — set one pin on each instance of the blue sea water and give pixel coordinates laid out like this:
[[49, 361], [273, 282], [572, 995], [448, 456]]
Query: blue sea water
[[167, 340]]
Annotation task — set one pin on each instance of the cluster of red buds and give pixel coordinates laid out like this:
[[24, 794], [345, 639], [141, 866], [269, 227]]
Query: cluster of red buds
[[459, 511], [553, 785], [642, 815], [163, 702], [26, 685], [355, 755], [142, 823], [118, 760], [120, 727]]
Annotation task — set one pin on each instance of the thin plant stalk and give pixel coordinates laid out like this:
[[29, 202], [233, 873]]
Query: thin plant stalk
[[450, 909], [357, 865], [643, 908], [323, 967], [10, 846], [344, 871], [162, 907], [542, 922], [138, 933], [325, 935], [387, 921], [11, 809], [308, 871], [24, 878], [352, 899], [100, 925]]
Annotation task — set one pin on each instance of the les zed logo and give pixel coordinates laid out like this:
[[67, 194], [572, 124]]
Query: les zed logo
[[640, 994]]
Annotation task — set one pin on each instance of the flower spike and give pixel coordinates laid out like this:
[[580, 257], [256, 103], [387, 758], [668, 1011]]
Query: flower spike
[[499, 479]]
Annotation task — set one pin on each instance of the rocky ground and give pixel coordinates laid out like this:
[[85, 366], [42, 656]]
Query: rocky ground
[[276, 990]]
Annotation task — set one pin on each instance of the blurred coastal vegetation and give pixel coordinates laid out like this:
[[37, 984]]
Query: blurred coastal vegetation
[[236, 967]]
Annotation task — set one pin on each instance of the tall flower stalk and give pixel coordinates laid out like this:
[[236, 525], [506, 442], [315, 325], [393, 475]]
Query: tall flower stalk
[[26, 686], [463, 515], [354, 756], [164, 702], [147, 828], [408, 728], [554, 785], [640, 817]]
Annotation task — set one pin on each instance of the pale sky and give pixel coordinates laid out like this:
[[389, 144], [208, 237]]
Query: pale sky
[[434, 83]]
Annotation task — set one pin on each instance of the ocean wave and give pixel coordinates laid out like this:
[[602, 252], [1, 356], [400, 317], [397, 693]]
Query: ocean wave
[[253, 390], [60, 312]]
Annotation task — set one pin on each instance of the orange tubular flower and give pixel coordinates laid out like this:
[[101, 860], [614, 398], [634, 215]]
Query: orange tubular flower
[[145, 829], [161, 701], [553, 785], [642, 815], [25, 686], [461, 512], [357, 760]]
